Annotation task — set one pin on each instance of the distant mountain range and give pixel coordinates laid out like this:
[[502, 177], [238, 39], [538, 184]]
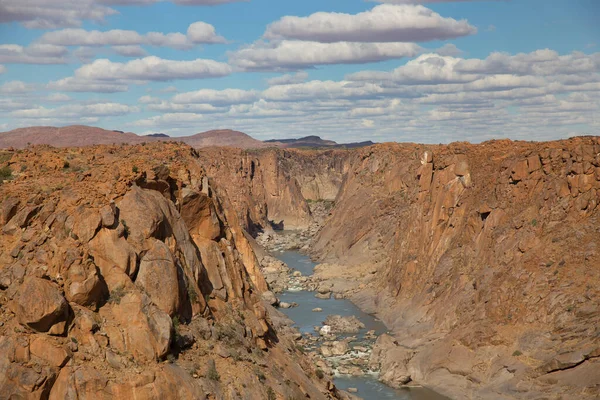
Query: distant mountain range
[[81, 135]]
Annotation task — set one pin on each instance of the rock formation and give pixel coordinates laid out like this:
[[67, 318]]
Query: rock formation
[[124, 273], [489, 263]]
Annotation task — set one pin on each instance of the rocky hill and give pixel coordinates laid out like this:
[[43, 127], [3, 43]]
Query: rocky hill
[[80, 135], [487, 260], [124, 273], [222, 137], [75, 135]]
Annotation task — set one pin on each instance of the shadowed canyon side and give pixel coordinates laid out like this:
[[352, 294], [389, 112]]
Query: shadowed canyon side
[[124, 273], [487, 262], [270, 187]]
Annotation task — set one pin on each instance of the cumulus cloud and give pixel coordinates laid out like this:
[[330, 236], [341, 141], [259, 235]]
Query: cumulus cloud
[[201, 32], [49, 14], [293, 54], [152, 69], [15, 87], [420, 1], [107, 76], [383, 23], [197, 33], [33, 54], [129, 51], [216, 97], [288, 79]]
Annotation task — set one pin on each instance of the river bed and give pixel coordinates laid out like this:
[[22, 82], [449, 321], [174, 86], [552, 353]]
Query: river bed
[[369, 388]]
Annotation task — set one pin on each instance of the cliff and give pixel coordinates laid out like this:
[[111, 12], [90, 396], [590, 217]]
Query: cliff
[[270, 187], [488, 263], [124, 273]]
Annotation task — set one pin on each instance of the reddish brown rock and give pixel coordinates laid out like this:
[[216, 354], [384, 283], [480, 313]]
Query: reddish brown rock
[[41, 306]]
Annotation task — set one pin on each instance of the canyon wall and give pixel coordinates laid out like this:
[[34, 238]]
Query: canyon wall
[[124, 273], [270, 187], [488, 261]]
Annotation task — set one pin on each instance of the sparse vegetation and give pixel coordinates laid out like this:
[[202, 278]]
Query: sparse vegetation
[[192, 294], [517, 353], [271, 394], [319, 373], [135, 169], [261, 377], [5, 173], [212, 373], [116, 295], [534, 222], [66, 165]]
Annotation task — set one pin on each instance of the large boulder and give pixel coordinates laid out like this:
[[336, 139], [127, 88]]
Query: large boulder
[[158, 277], [80, 383], [199, 213], [42, 307], [141, 328], [87, 222], [84, 286], [112, 251], [341, 324]]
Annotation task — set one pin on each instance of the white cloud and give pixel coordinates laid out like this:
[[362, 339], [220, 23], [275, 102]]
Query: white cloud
[[292, 54], [426, 69], [48, 14], [168, 89], [33, 54], [107, 76], [152, 69], [288, 79], [58, 97], [170, 119], [201, 32], [75, 110], [216, 97], [14, 87], [198, 32], [129, 51], [384, 23], [79, 85]]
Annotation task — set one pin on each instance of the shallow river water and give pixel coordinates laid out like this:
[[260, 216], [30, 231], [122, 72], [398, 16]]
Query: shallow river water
[[369, 388]]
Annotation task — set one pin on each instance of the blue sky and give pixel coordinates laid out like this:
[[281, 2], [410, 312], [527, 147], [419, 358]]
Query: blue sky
[[389, 70]]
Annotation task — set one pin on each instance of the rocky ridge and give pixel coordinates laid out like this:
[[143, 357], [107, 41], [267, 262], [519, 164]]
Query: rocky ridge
[[124, 272], [486, 261]]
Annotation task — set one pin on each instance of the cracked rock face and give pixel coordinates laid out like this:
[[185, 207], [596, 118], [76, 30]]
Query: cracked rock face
[[128, 275], [486, 258]]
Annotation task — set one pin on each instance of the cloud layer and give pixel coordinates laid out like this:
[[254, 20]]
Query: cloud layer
[[384, 23]]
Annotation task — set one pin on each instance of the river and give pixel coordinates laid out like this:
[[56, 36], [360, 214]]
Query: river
[[369, 388]]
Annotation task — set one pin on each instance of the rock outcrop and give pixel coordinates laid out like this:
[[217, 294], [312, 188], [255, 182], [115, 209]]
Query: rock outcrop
[[124, 273], [488, 260]]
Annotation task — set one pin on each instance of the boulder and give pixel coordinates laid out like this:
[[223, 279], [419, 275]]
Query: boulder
[[158, 277], [199, 213], [341, 324], [41, 306], [84, 286], [87, 222], [81, 382], [107, 215], [20, 220], [45, 349], [269, 297], [112, 251], [8, 209]]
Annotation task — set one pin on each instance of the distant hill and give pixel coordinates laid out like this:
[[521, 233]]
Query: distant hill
[[75, 135], [81, 135], [314, 141], [222, 137]]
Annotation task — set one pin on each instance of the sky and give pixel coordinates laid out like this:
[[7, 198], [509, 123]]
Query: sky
[[430, 71]]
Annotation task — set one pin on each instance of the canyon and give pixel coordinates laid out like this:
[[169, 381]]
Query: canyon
[[134, 270]]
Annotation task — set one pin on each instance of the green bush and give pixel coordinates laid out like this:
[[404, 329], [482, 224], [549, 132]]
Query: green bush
[[319, 373], [517, 353], [212, 373], [5, 173]]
